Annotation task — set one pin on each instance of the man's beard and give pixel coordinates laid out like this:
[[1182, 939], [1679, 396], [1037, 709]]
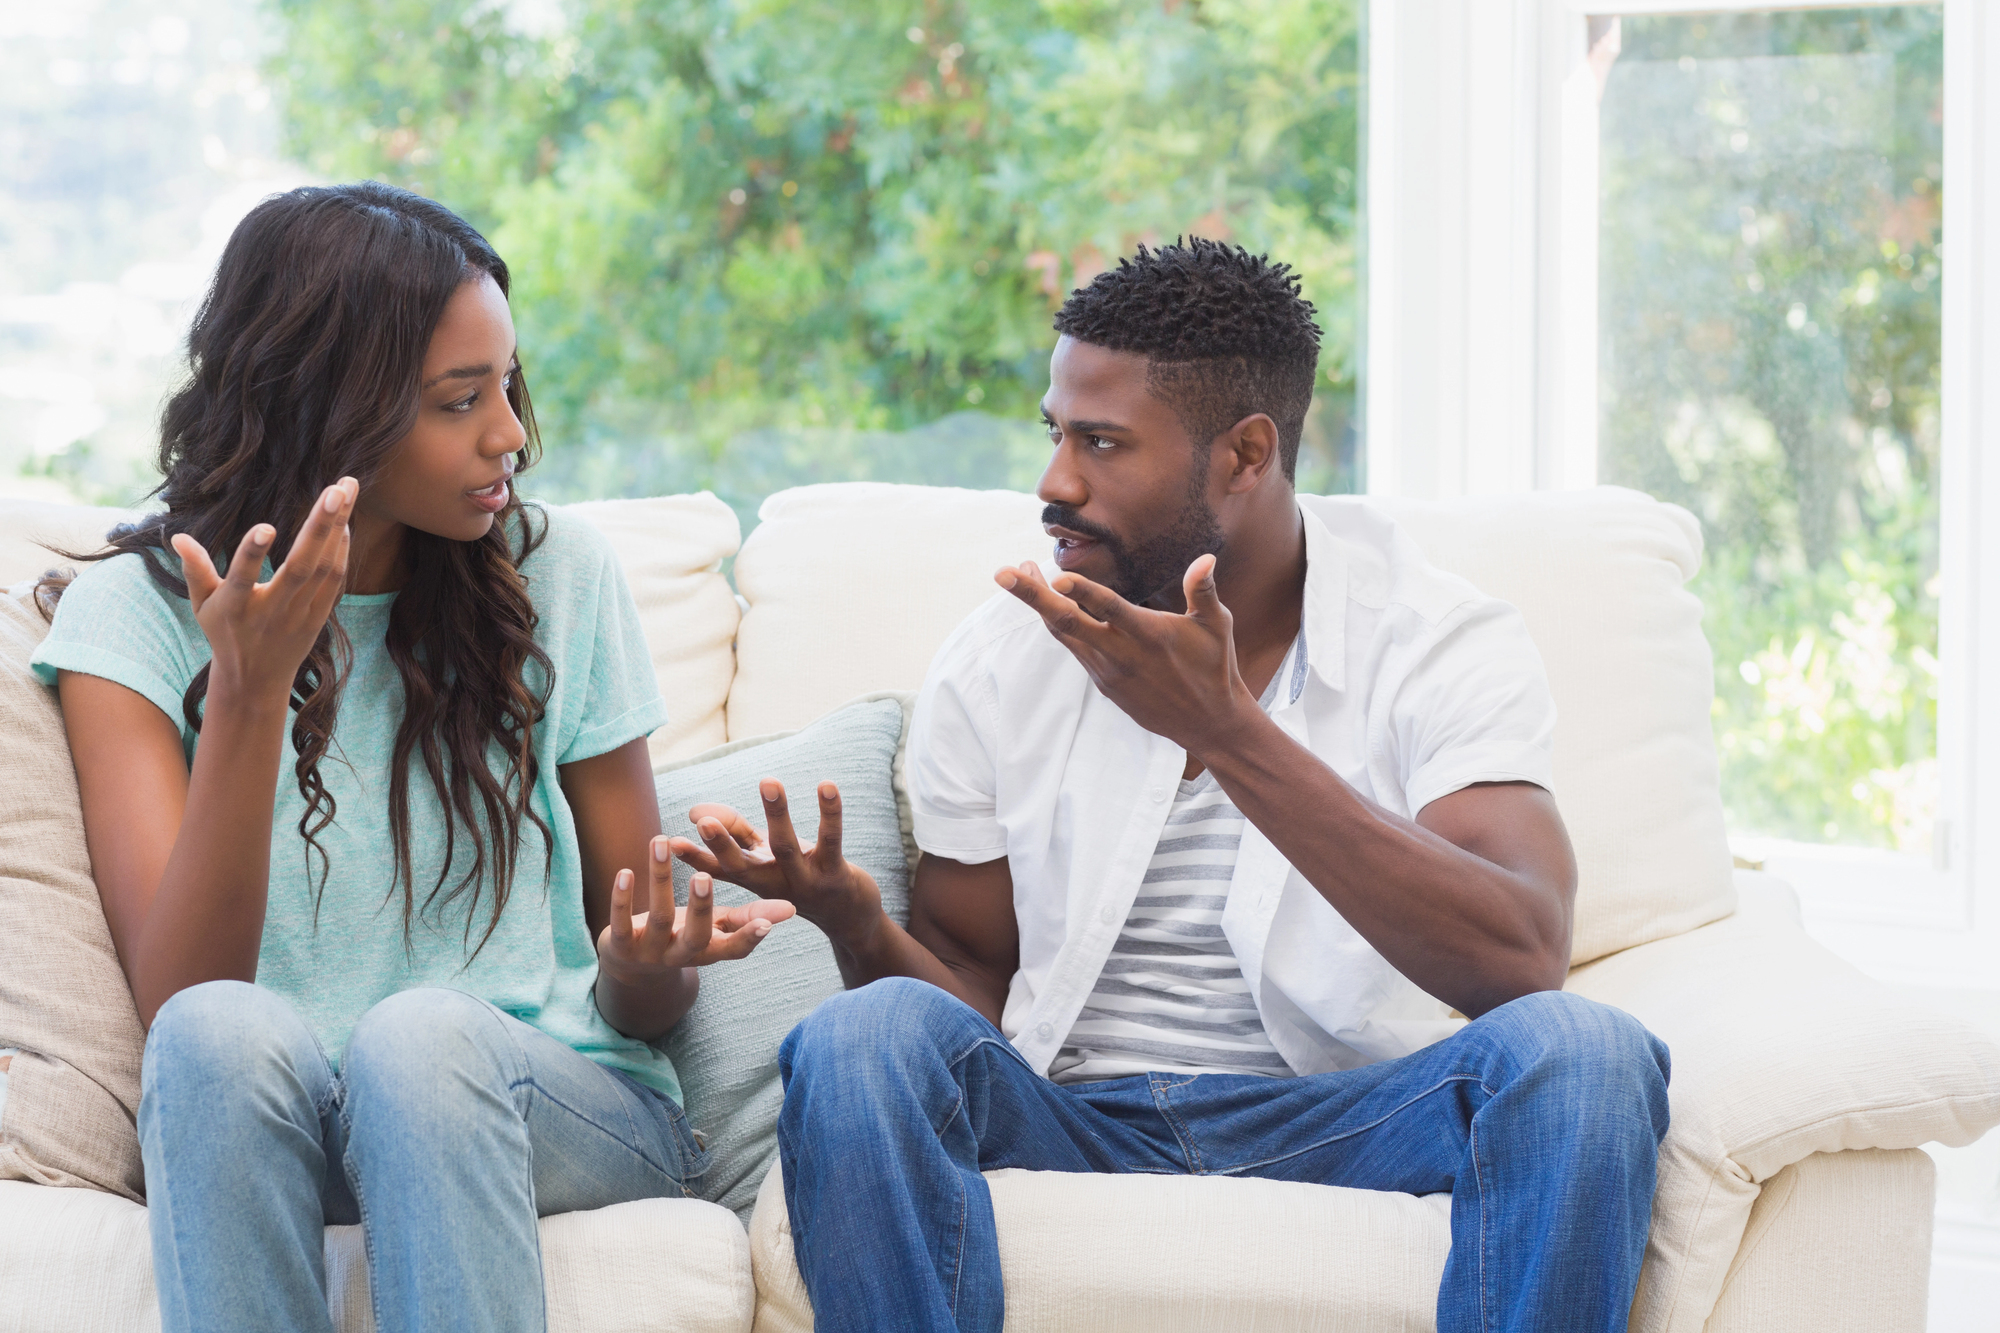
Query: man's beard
[[1151, 567]]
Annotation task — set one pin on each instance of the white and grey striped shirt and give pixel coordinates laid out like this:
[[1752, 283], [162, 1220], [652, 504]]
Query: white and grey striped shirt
[[1172, 996]]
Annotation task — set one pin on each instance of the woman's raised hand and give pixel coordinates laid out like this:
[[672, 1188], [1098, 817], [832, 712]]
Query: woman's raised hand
[[260, 632], [647, 946]]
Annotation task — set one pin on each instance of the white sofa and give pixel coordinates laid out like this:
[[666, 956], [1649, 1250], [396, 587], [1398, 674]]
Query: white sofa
[[1791, 1195]]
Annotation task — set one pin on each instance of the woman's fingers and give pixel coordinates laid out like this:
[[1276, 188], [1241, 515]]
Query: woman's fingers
[[660, 879], [315, 557], [248, 562], [768, 910], [737, 944], [621, 910], [699, 927], [197, 569]]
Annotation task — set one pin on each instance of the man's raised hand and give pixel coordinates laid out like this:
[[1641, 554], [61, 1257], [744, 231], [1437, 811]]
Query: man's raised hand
[[260, 632], [1174, 674], [637, 948], [828, 889]]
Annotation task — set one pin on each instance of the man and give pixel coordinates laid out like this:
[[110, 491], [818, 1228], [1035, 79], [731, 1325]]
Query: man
[[1220, 816]]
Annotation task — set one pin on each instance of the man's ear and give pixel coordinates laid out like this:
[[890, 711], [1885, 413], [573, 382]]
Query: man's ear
[[1254, 443]]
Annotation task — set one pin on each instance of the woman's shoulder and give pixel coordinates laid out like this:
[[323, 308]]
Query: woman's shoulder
[[564, 550], [123, 586]]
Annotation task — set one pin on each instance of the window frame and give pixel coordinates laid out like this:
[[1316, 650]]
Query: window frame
[[1482, 379]]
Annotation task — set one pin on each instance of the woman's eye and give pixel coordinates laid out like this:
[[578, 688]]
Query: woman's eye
[[463, 404]]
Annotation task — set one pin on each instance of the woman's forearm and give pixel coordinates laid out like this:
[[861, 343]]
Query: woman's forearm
[[206, 919]]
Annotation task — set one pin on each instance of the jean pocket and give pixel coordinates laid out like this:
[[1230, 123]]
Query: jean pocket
[[694, 1154]]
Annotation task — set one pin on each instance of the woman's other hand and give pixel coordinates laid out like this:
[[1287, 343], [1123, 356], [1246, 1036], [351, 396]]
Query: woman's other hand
[[260, 632], [652, 945], [829, 890]]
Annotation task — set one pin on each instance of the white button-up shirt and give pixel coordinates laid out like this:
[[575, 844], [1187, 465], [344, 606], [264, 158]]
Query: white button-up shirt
[[1417, 685]]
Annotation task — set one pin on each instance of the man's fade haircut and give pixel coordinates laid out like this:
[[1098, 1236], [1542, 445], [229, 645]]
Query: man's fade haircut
[[1226, 334]]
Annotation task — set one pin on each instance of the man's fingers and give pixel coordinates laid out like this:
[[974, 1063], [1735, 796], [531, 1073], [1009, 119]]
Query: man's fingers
[[1065, 619], [1198, 584], [694, 855], [778, 819], [1102, 603], [733, 823], [196, 568], [827, 849]]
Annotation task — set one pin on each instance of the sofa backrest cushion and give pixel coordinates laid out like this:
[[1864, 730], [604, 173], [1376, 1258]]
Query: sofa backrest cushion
[[726, 1049], [26, 524], [671, 548], [72, 1082], [852, 588], [1600, 576]]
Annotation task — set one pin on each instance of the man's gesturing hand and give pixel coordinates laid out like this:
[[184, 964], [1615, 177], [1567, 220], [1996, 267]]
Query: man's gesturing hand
[[829, 890], [1174, 674], [647, 947]]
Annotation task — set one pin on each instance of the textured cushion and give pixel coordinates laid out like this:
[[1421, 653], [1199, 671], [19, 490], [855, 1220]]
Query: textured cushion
[[1780, 1051], [73, 1087], [853, 585], [671, 548], [726, 1049], [1176, 1254], [81, 1262]]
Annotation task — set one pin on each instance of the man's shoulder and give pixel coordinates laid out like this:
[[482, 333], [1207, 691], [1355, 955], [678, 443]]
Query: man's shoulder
[[1389, 578]]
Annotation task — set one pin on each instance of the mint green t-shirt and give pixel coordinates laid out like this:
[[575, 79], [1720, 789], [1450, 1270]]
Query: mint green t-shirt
[[540, 964]]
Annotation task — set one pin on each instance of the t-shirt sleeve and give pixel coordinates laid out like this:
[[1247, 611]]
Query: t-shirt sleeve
[[951, 761], [113, 621], [616, 697], [1474, 707]]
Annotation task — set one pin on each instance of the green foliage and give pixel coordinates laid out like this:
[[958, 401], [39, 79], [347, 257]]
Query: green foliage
[[1770, 311], [819, 218]]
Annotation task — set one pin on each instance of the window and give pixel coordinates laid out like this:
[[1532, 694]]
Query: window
[[1769, 324]]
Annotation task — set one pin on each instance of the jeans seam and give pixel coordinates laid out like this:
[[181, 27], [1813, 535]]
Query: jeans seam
[[1378, 1121], [1183, 1135]]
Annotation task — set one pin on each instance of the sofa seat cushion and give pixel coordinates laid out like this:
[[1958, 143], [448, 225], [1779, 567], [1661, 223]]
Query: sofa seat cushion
[[1176, 1254], [1780, 1051], [81, 1261]]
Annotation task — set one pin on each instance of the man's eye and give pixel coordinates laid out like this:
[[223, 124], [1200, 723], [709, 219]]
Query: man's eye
[[1055, 435], [1098, 442]]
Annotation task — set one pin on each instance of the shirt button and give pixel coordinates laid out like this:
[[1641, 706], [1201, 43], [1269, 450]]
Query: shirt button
[[1107, 916], [1045, 1032], [1158, 794]]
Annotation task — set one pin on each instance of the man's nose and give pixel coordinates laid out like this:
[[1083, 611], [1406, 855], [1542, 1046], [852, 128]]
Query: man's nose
[[1061, 484]]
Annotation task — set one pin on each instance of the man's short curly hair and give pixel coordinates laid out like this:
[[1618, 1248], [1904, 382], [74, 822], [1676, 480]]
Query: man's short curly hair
[[1226, 332]]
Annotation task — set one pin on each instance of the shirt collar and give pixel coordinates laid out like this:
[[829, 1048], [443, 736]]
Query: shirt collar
[[1323, 619]]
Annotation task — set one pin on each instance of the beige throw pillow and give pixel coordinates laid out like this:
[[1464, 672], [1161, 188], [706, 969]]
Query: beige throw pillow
[[72, 1087]]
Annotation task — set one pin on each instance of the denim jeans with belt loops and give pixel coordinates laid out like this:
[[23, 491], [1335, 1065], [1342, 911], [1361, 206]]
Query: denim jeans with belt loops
[[1543, 1118], [449, 1128]]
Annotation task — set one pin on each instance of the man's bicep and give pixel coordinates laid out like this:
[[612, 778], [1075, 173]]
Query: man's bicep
[[964, 914], [1514, 825]]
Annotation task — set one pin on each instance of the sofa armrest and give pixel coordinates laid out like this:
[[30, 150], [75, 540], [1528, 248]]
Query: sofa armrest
[[1780, 1050]]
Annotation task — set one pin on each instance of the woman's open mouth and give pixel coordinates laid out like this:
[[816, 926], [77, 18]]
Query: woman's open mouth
[[492, 499]]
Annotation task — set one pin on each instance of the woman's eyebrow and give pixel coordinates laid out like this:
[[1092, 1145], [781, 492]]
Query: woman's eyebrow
[[480, 371]]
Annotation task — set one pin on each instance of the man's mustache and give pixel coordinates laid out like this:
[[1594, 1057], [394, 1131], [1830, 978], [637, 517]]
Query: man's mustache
[[1062, 516]]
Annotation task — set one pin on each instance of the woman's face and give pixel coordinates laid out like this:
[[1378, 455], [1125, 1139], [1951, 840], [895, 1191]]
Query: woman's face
[[451, 474]]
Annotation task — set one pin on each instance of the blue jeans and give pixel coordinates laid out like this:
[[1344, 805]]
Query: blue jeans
[[448, 1130], [1543, 1118]]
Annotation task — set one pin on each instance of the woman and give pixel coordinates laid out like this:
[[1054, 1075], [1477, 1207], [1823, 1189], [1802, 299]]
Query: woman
[[414, 985]]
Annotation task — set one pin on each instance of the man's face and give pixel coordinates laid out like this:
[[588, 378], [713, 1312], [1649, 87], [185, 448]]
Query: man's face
[[1126, 490]]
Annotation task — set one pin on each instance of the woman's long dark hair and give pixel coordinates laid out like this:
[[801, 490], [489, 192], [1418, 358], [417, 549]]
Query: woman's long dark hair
[[305, 363]]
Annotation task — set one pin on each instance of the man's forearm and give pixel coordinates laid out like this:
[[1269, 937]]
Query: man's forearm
[[873, 949], [1468, 931]]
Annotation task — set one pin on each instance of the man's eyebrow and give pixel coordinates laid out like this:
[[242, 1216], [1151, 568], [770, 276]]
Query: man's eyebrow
[[1088, 427]]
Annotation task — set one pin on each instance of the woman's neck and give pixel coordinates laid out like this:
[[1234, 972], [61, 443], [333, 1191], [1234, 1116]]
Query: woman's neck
[[376, 554]]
